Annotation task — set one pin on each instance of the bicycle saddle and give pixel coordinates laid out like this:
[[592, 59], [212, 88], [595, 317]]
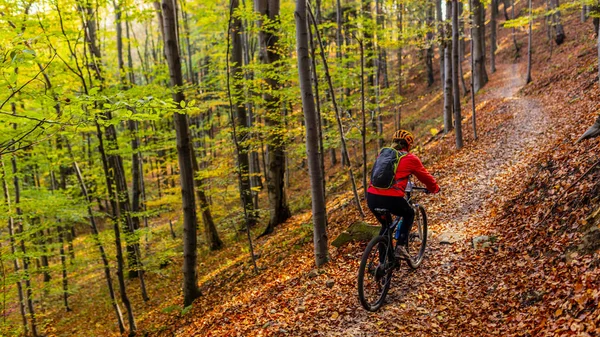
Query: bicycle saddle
[[381, 210]]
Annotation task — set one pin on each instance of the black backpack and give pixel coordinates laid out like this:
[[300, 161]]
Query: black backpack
[[384, 169]]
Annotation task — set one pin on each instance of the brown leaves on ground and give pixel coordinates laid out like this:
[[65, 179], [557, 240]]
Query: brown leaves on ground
[[532, 280]]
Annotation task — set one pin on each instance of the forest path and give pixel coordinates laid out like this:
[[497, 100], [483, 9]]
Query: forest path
[[451, 294], [470, 181], [446, 293]]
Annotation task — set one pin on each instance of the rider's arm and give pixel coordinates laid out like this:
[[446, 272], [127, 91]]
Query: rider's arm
[[419, 171]]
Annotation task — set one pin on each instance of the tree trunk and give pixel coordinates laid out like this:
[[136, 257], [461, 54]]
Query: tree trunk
[[364, 117], [98, 243], [186, 31], [315, 81], [310, 116], [514, 34], [117, 173], [211, 235], [241, 118], [136, 160], [448, 104], [61, 231], [63, 262], [339, 57], [400, 82], [455, 44], [429, 38], [528, 78], [95, 54], [560, 31], [493, 43], [368, 37], [474, 115], [13, 250], [20, 230], [275, 170], [440, 32], [116, 220], [338, 118], [479, 72], [184, 154]]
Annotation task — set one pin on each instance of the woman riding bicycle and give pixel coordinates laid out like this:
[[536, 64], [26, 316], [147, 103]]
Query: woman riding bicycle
[[392, 198]]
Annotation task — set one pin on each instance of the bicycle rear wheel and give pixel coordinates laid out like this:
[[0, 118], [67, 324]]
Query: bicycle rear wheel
[[375, 273], [417, 238]]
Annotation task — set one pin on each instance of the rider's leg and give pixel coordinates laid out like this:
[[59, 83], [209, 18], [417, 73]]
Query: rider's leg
[[408, 214], [378, 201]]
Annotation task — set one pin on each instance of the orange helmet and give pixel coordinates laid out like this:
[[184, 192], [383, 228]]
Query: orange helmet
[[403, 134]]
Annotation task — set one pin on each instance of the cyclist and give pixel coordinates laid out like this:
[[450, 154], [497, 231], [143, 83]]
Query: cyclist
[[393, 198]]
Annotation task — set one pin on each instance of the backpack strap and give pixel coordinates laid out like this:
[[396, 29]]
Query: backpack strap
[[402, 155]]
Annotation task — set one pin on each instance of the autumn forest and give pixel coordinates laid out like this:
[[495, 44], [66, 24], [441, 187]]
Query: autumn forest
[[200, 167]]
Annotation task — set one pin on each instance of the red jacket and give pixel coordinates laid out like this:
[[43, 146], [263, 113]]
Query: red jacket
[[409, 164]]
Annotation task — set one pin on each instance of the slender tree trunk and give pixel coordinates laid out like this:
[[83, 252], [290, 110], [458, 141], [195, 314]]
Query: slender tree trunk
[[448, 97], [339, 56], [184, 154], [482, 29], [136, 158], [117, 171], [233, 126], [13, 250], [116, 219], [61, 232], [380, 68], [20, 230], [95, 55], [429, 38], [474, 115], [315, 80], [186, 31], [560, 31], [211, 235], [368, 38], [440, 32], [268, 41], [337, 116], [44, 256], [514, 34], [364, 117], [595, 11], [455, 45], [400, 43], [311, 124], [63, 262], [528, 79], [103, 255], [479, 72], [493, 43], [241, 118]]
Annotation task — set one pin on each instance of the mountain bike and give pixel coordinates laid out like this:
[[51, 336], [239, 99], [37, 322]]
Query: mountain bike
[[378, 260]]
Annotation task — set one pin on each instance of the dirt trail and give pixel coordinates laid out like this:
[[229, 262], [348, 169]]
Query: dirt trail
[[494, 159], [469, 183]]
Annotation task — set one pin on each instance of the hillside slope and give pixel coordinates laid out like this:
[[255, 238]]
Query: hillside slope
[[539, 277]]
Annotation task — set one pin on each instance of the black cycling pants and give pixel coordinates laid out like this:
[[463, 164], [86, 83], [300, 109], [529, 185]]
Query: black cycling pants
[[397, 206]]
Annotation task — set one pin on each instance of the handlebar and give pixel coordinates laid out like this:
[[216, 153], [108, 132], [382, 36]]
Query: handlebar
[[422, 189]]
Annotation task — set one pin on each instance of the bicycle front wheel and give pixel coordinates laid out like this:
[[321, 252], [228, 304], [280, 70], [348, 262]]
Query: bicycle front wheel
[[375, 273], [417, 238]]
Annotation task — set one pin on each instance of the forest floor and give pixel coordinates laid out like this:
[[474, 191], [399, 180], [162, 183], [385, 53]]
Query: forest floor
[[540, 275], [531, 281]]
